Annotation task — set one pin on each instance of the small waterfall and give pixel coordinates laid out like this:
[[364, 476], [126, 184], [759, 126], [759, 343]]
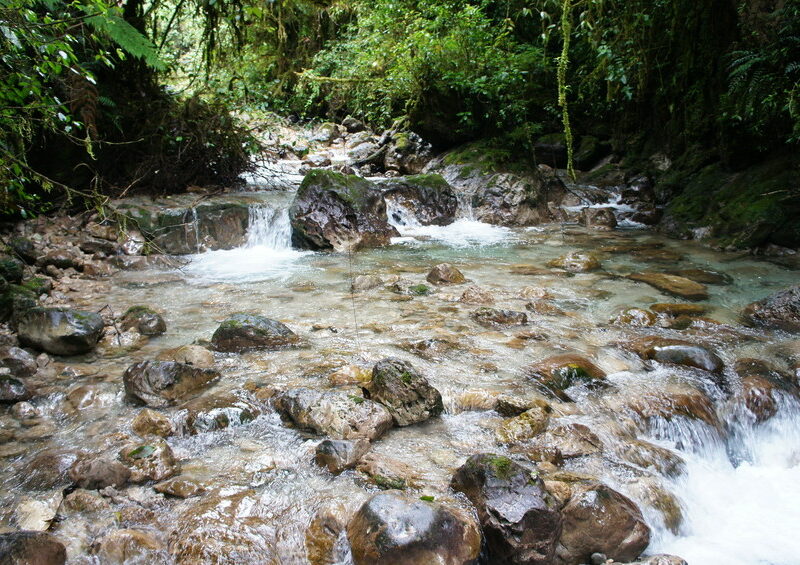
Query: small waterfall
[[269, 227], [196, 227]]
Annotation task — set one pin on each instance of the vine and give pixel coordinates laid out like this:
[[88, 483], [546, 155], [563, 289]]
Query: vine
[[563, 63]]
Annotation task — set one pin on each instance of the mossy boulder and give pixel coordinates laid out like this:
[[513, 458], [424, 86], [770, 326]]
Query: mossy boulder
[[407, 395], [145, 320], [60, 331], [244, 332], [555, 375], [341, 212], [163, 383], [429, 196], [15, 300]]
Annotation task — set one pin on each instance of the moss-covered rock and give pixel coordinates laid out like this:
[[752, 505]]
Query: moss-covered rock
[[243, 332], [341, 212], [431, 197]]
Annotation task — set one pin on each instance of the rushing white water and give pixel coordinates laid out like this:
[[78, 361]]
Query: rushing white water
[[464, 232], [741, 499], [267, 253]]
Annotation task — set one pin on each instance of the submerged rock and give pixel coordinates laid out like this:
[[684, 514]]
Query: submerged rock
[[598, 218], [386, 472], [476, 295], [334, 211], [672, 284], [576, 262], [337, 414], [217, 412], [31, 548], [598, 519], [13, 390], [129, 545], [520, 519], [162, 383], [244, 332], [60, 331], [558, 373], [21, 363], [405, 393], [151, 423], [636, 317], [527, 425], [396, 529], [761, 386], [445, 273], [189, 355], [780, 311], [99, 473], [152, 461], [495, 318]]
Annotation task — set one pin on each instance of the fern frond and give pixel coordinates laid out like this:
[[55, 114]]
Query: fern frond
[[127, 37]]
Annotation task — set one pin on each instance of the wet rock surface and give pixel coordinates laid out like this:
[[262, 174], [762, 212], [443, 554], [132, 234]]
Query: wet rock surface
[[60, 331], [405, 393], [162, 383], [243, 332], [520, 519], [778, 311], [33, 548], [673, 284], [392, 528]]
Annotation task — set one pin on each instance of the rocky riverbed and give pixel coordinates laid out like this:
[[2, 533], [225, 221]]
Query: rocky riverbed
[[479, 384]]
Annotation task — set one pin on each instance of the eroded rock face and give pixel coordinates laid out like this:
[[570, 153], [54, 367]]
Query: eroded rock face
[[162, 383], [392, 528], [334, 211], [780, 311], [60, 331], [244, 332], [405, 393], [520, 519], [336, 414], [432, 200], [31, 548], [598, 519]]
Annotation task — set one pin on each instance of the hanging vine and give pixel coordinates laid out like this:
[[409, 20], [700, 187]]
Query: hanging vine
[[563, 62]]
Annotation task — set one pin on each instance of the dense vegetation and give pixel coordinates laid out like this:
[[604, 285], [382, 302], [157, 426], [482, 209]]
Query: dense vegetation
[[715, 78]]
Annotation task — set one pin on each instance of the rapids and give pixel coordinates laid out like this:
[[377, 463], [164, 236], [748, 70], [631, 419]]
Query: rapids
[[739, 492]]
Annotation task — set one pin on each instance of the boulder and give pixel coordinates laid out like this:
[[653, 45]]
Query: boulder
[[23, 248], [244, 332], [353, 125], [494, 318], [13, 390], [565, 441], [555, 375], [98, 473], [445, 273], [49, 469], [703, 276], [527, 425], [195, 355], [672, 284], [430, 198], [651, 408], [598, 218], [152, 461], [60, 331], [21, 363], [576, 262], [636, 317], [688, 355], [779, 311], [334, 211], [762, 385], [322, 535], [337, 414], [338, 454], [405, 393], [162, 383], [179, 487], [520, 519], [31, 548], [396, 529], [598, 519], [407, 153], [145, 320]]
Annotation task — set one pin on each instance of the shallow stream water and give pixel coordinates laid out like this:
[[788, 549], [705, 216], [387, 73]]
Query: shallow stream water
[[739, 496]]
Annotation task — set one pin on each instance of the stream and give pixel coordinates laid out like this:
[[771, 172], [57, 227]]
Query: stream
[[737, 496]]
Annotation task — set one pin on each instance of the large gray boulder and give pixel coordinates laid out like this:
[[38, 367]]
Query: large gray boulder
[[397, 529], [60, 331], [244, 332], [341, 212], [405, 393], [432, 199], [163, 383], [520, 519]]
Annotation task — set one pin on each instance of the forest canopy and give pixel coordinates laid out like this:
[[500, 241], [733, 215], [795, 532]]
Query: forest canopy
[[109, 99]]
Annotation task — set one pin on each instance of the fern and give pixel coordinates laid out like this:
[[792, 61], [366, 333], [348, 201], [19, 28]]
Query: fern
[[127, 37]]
